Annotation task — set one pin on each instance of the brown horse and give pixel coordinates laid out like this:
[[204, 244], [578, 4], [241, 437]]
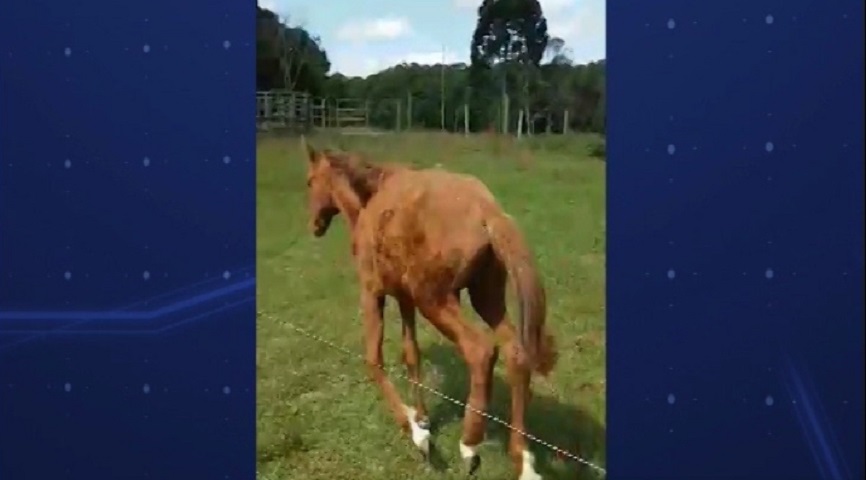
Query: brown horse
[[422, 236]]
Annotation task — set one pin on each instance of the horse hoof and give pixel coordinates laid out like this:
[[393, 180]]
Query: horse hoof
[[527, 468], [421, 439], [424, 424], [471, 464]]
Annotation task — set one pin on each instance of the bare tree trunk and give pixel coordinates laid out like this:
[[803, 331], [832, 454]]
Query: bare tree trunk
[[442, 90], [525, 101], [520, 124], [285, 57]]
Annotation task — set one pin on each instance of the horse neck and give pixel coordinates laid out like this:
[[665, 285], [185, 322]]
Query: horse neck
[[349, 203], [356, 188]]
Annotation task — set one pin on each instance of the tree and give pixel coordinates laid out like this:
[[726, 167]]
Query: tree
[[510, 36], [509, 31], [511, 53], [288, 57]]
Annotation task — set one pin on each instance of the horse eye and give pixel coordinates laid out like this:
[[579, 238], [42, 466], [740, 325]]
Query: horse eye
[[309, 182]]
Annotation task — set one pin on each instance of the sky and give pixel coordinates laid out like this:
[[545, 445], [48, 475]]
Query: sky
[[364, 36]]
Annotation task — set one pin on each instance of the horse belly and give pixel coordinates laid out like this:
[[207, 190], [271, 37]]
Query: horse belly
[[444, 262]]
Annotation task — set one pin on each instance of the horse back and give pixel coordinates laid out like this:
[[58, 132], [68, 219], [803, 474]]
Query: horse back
[[423, 230]]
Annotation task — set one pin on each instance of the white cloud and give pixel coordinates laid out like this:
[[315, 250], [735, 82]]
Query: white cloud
[[550, 7], [277, 6], [268, 4], [586, 21], [389, 28], [583, 28]]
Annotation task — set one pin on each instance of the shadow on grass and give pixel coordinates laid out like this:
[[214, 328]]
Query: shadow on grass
[[565, 426]]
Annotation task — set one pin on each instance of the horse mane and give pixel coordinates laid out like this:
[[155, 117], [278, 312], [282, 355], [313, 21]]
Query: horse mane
[[363, 176]]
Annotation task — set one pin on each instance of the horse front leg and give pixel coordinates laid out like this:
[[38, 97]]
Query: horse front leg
[[372, 305], [418, 421]]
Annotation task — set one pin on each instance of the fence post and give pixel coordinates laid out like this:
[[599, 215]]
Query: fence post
[[504, 113], [408, 110], [520, 124], [399, 113], [324, 113], [466, 119], [367, 113], [565, 122]]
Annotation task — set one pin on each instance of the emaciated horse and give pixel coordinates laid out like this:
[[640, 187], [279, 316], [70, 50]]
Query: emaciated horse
[[422, 236]]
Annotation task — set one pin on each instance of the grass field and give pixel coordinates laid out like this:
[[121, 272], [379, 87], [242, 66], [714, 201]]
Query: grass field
[[318, 415]]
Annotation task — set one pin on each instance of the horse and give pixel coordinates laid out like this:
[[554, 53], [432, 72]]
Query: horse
[[421, 236]]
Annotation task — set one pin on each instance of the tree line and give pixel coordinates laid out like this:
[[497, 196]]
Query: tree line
[[517, 74]]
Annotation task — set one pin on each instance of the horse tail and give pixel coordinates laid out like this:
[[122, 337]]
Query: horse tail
[[511, 249]]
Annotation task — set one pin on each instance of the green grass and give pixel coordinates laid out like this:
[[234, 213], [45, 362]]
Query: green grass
[[318, 415]]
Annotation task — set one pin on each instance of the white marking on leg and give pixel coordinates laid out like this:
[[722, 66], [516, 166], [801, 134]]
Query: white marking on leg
[[420, 436], [468, 452], [528, 471]]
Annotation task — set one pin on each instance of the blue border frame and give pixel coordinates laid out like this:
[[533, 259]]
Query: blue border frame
[[127, 240], [735, 239]]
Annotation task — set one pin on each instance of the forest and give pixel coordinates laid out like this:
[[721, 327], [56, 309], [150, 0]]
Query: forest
[[512, 56]]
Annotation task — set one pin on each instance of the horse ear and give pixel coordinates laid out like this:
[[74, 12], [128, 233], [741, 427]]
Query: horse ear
[[309, 151]]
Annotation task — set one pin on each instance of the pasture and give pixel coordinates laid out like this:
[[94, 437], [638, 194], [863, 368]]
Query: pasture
[[318, 415]]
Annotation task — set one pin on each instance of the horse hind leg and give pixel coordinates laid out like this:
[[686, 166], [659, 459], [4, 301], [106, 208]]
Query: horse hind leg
[[419, 423], [479, 352], [487, 294]]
